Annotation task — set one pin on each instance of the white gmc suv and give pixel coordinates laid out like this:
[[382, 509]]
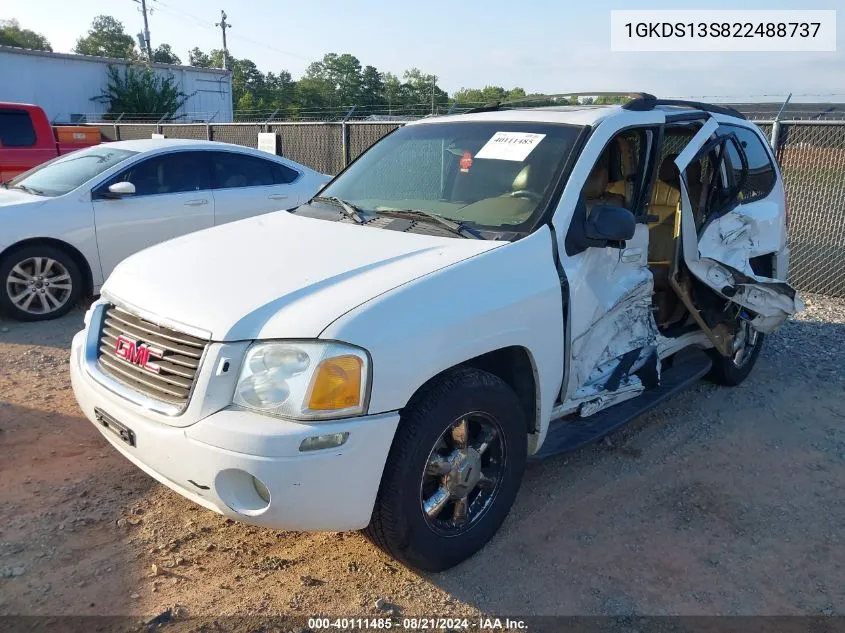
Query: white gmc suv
[[473, 291]]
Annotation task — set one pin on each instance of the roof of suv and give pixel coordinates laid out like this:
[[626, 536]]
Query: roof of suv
[[572, 114]]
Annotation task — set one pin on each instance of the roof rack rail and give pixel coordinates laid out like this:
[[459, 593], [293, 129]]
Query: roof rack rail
[[488, 107], [631, 95], [649, 102], [497, 105]]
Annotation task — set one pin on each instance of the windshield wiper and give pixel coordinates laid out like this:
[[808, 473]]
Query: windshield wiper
[[32, 190], [350, 210], [458, 228]]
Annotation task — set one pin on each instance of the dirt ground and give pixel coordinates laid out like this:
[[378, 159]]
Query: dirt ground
[[725, 501]]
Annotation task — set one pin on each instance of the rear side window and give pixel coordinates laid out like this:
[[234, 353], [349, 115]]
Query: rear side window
[[233, 170], [761, 173], [16, 129], [169, 173], [284, 175]]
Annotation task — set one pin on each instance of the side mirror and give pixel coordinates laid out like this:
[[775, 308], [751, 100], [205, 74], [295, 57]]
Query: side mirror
[[120, 189], [609, 223]]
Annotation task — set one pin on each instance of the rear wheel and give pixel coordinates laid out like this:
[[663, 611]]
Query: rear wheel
[[452, 473], [732, 370], [39, 282]]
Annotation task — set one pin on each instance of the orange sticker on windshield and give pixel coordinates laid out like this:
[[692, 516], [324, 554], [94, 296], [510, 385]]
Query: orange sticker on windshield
[[466, 162]]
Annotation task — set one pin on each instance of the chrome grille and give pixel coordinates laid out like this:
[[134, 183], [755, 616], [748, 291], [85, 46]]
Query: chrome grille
[[178, 365]]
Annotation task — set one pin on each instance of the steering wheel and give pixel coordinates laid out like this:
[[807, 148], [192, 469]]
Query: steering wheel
[[525, 193]]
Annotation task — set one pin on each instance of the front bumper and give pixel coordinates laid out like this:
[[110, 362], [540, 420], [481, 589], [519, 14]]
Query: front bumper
[[212, 461]]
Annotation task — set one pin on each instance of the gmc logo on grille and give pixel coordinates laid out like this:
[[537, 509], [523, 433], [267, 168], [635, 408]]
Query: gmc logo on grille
[[138, 353]]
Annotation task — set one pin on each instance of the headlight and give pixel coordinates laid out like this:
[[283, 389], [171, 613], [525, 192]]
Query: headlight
[[304, 380]]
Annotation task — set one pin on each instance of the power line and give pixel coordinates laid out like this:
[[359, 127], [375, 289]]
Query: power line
[[239, 36]]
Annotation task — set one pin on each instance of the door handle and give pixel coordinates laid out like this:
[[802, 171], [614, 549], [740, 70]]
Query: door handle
[[278, 196], [631, 255], [196, 203]]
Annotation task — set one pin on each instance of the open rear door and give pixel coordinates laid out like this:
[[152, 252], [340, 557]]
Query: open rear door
[[718, 252]]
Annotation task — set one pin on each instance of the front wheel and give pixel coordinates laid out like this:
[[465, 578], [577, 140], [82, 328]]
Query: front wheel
[[453, 471], [40, 282], [732, 370]]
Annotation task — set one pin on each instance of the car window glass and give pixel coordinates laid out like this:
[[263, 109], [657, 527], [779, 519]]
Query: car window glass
[[233, 170], [66, 173], [761, 173], [618, 177], [16, 129], [169, 173], [283, 175], [494, 174]]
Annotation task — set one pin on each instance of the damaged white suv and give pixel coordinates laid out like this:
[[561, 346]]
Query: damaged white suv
[[473, 292]]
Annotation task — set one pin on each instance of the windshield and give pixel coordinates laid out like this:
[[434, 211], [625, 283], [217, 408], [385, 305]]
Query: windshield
[[492, 174], [65, 173]]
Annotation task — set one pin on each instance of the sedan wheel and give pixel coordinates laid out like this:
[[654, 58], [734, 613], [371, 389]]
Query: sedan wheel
[[39, 283]]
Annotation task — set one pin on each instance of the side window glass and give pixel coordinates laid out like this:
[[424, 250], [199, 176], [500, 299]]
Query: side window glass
[[760, 178], [618, 177], [171, 173], [233, 170], [16, 129], [283, 175]]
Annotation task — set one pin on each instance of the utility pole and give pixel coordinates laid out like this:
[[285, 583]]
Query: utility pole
[[146, 30], [223, 26]]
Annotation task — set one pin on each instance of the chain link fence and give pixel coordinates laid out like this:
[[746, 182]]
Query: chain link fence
[[812, 158], [811, 154]]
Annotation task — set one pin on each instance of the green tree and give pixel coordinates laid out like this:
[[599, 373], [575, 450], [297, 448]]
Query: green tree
[[279, 90], [371, 89], [106, 38], [164, 54], [199, 59], [394, 91], [11, 34], [312, 93], [139, 90], [341, 75], [422, 89], [488, 94]]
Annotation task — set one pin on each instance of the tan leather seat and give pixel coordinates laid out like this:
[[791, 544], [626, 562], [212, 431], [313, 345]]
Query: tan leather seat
[[520, 183], [596, 188], [623, 186], [665, 200]]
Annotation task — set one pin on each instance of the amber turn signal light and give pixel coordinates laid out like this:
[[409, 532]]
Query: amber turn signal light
[[336, 384]]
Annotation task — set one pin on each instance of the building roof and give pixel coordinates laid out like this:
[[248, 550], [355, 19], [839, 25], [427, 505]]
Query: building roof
[[106, 60]]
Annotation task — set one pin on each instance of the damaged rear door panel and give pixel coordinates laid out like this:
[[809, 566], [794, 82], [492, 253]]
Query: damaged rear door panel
[[719, 245]]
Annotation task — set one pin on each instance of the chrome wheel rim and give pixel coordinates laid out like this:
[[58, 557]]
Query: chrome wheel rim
[[744, 343], [39, 285], [463, 474]]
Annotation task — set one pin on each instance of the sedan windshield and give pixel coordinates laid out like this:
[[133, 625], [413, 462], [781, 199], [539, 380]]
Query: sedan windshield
[[496, 175], [65, 173]]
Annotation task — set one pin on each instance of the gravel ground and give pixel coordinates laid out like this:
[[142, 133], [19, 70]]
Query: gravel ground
[[725, 501]]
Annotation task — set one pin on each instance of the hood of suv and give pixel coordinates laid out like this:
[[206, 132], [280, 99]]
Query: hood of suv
[[276, 275]]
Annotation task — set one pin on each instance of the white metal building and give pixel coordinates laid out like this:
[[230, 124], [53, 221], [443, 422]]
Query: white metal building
[[63, 84]]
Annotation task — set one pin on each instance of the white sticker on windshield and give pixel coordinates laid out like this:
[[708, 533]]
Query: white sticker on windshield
[[510, 146]]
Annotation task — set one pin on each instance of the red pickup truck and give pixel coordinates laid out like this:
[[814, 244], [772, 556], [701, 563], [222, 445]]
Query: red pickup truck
[[27, 139]]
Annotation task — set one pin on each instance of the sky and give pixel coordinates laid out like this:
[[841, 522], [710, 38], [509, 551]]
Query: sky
[[548, 46]]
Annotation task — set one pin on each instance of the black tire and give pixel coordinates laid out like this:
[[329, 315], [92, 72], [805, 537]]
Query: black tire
[[399, 525], [66, 297], [727, 371]]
